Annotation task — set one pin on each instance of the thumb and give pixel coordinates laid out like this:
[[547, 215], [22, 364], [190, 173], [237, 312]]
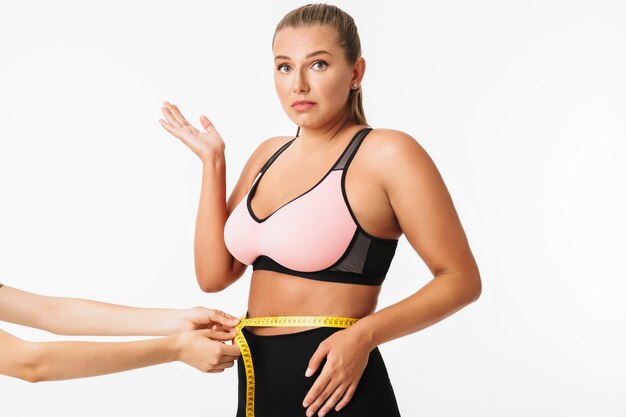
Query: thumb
[[316, 359], [206, 123]]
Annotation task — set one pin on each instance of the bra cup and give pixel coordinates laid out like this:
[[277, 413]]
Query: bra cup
[[241, 234], [312, 231]]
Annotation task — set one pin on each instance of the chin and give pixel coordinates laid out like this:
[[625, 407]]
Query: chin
[[304, 120]]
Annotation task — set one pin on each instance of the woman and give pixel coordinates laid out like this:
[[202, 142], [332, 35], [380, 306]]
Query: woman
[[320, 236], [195, 336]]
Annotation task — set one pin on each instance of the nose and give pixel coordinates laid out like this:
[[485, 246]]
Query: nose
[[299, 84]]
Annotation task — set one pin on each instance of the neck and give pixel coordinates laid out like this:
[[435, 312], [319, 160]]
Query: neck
[[324, 134]]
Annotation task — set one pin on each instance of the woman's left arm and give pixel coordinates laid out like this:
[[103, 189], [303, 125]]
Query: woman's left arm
[[425, 212]]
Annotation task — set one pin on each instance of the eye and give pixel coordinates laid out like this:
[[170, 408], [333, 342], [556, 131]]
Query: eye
[[281, 66], [320, 62]]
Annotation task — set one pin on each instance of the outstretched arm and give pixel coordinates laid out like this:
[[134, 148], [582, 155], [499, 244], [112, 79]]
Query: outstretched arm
[[47, 361], [73, 316]]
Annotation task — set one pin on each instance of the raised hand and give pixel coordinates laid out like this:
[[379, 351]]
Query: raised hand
[[204, 144]]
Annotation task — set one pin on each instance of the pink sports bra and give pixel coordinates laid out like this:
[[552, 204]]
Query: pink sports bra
[[315, 235]]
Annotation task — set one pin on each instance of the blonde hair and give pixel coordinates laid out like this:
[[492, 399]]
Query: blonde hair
[[348, 38]]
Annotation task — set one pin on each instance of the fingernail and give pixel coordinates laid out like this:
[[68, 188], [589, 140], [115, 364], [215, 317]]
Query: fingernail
[[308, 373], [321, 413], [309, 413], [305, 404]]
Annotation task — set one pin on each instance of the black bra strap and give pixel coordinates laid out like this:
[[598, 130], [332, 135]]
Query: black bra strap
[[354, 146], [275, 155]]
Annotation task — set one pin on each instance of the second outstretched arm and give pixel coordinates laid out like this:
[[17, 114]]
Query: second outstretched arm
[[48, 361]]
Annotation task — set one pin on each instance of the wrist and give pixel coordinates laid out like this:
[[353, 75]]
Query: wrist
[[163, 322], [174, 347], [176, 321], [364, 333], [214, 159]]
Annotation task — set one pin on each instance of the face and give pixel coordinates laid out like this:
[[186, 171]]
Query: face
[[310, 66]]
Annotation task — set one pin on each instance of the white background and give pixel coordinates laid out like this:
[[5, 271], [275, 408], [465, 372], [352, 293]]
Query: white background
[[521, 105]]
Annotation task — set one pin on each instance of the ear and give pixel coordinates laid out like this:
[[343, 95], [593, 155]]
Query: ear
[[358, 71]]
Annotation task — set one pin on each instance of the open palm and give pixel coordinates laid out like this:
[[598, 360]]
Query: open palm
[[204, 144]]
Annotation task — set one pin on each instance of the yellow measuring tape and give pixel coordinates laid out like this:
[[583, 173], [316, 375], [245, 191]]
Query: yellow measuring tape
[[277, 321]]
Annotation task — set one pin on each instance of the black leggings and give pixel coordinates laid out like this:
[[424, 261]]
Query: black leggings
[[280, 385]]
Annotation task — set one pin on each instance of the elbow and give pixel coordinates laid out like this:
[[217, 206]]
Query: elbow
[[217, 279], [31, 376], [476, 295], [477, 289], [212, 284], [211, 287], [30, 367]]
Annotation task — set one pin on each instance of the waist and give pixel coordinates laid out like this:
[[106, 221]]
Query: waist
[[305, 324], [275, 294]]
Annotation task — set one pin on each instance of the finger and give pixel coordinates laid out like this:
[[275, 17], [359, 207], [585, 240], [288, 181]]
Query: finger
[[222, 336], [170, 118], [175, 113], [167, 126], [226, 364], [178, 115], [227, 329], [218, 316], [221, 365], [215, 335], [316, 390], [346, 397], [332, 400], [206, 123], [316, 359], [330, 388], [231, 350]]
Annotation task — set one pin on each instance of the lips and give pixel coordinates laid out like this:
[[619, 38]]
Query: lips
[[299, 102]]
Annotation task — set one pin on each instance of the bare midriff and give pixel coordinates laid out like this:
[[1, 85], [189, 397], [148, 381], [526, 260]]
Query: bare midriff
[[276, 294]]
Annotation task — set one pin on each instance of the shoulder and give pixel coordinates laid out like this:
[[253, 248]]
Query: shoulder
[[396, 157], [259, 156], [266, 149], [392, 141], [390, 147], [268, 146]]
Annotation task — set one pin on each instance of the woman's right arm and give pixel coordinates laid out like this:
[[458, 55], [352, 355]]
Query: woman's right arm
[[49, 361], [213, 261], [215, 267]]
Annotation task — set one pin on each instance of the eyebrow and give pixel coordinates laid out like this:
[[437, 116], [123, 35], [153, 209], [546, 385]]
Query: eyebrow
[[308, 55]]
